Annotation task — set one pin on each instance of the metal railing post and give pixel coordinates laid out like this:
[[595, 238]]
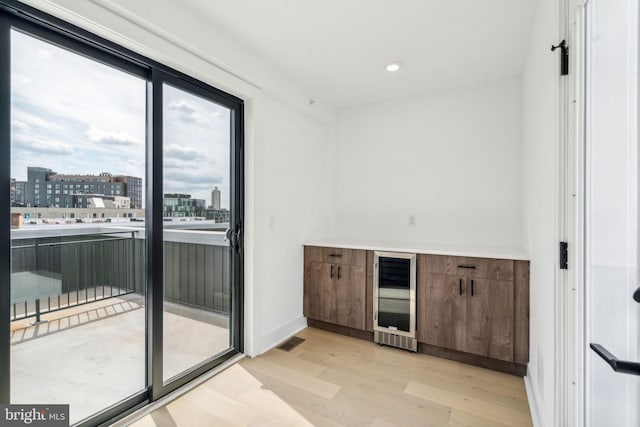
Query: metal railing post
[[38, 320], [36, 246]]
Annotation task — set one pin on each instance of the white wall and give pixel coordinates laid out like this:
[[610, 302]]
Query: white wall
[[539, 189], [451, 158], [291, 197], [286, 142]]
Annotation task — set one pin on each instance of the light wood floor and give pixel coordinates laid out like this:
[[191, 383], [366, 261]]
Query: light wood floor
[[333, 380]]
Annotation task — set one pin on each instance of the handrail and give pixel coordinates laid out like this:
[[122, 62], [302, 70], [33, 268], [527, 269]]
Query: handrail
[[40, 245]]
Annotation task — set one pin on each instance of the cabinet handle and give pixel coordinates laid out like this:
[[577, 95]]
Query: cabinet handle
[[339, 271], [332, 271], [467, 266], [460, 286], [336, 255], [471, 287]]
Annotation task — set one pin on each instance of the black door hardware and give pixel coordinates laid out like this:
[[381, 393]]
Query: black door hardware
[[233, 236], [339, 271], [460, 286], [564, 57], [636, 295], [471, 287], [564, 255], [332, 271], [467, 266], [622, 366]]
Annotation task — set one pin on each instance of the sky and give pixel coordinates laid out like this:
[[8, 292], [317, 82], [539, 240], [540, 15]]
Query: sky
[[77, 116]]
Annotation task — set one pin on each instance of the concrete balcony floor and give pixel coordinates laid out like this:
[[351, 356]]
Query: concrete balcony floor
[[93, 356]]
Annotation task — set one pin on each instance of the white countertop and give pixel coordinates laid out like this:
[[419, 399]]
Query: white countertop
[[498, 252]]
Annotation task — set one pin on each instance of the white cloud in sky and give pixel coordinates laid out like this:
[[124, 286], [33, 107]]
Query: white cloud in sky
[[75, 115], [112, 138], [196, 145]]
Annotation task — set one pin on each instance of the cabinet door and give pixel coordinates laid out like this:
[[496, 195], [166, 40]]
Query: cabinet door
[[443, 314], [311, 300], [328, 299], [350, 287], [490, 318], [316, 276]]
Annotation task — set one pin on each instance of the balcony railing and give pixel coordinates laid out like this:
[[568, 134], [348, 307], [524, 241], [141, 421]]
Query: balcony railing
[[54, 269]]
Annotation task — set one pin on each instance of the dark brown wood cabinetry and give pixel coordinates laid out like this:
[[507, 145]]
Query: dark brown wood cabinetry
[[474, 305], [474, 310], [335, 286]]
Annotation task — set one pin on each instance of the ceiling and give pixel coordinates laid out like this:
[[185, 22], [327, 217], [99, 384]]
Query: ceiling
[[338, 49]]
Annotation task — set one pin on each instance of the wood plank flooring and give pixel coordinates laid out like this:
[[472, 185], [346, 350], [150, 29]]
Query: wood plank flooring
[[332, 380]]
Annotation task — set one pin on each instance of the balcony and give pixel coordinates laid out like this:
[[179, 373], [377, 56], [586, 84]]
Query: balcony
[[78, 317]]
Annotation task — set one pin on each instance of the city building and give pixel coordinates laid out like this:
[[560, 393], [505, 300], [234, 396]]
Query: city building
[[19, 189], [17, 192], [218, 215], [46, 188], [215, 198], [12, 192], [182, 205], [31, 215]]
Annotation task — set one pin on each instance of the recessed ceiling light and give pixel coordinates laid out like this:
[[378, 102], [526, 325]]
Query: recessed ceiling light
[[393, 67]]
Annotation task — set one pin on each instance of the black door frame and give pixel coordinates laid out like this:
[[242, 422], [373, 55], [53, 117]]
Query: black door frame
[[51, 29]]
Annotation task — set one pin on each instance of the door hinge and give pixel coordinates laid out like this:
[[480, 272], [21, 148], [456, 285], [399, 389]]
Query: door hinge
[[564, 255], [564, 57]]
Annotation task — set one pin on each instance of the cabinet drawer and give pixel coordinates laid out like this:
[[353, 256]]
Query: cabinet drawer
[[481, 268], [344, 256]]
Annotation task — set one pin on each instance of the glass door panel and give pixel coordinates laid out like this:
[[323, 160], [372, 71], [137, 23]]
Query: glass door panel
[[77, 239], [196, 213], [611, 210]]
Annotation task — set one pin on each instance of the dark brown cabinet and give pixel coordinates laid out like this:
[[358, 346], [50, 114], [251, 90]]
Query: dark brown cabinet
[[474, 310], [335, 286], [474, 305]]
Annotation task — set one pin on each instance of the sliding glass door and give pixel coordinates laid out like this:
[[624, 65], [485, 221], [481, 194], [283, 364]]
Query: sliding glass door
[[196, 183], [122, 223], [77, 304]]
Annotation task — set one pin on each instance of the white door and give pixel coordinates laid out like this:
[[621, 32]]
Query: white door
[[611, 213]]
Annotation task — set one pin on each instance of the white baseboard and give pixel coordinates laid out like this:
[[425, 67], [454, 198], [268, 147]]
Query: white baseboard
[[279, 334], [532, 397]]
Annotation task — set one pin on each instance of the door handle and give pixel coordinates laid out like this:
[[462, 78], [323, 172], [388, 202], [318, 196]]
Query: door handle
[[460, 286], [622, 366], [233, 237], [332, 271], [339, 271], [471, 287], [636, 295]]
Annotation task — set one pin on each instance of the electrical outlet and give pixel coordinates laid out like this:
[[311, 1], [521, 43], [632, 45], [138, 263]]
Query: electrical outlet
[[412, 220]]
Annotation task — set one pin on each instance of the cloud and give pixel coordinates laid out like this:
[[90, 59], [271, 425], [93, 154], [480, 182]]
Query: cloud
[[180, 152], [43, 53], [19, 80], [18, 126], [22, 138], [183, 107], [37, 145], [195, 178], [188, 113], [112, 138]]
